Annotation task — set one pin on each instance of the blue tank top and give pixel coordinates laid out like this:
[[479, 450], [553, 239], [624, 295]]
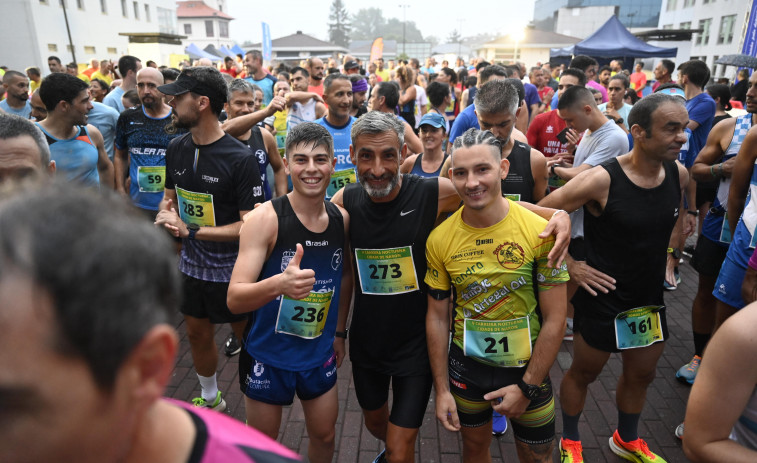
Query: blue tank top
[[257, 146], [418, 167], [342, 141], [715, 227], [299, 335], [75, 158]]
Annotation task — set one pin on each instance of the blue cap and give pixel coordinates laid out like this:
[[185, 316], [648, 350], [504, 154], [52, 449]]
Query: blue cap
[[434, 120]]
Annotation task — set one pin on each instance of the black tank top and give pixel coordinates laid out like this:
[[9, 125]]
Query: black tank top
[[388, 332], [519, 183], [628, 241]]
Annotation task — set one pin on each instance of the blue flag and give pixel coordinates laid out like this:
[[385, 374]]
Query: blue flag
[[266, 42]]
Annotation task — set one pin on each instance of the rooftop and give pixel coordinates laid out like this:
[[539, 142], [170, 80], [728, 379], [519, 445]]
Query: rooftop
[[198, 9]]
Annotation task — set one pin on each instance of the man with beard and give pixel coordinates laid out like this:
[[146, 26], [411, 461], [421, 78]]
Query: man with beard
[[316, 83], [384, 98], [142, 135], [211, 182], [359, 95], [16, 86], [257, 75], [55, 65], [663, 73], [388, 326], [338, 96], [76, 147]]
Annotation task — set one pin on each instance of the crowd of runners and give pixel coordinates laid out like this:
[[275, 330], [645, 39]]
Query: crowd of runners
[[446, 226]]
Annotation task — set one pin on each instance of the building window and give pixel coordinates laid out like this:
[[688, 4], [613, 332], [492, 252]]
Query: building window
[[667, 27], [136, 9], [223, 29], [671, 5], [69, 48], [686, 25], [704, 37], [104, 6], [124, 10], [44, 2], [63, 3], [90, 50], [147, 12], [705, 2], [112, 50], [726, 29], [80, 4], [188, 29], [167, 21], [209, 28], [688, 3], [52, 47]]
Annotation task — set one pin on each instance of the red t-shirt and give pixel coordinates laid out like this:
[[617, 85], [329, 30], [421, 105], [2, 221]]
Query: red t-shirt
[[232, 72], [318, 89], [542, 133]]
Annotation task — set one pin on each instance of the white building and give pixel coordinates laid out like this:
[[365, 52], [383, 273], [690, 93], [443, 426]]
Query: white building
[[722, 24], [204, 23], [531, 48], [32, 30], [583, 21]]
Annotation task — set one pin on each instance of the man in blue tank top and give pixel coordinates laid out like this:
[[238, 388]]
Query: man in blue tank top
[[76, 147], [290, 275], [631, 206], [337, 92]]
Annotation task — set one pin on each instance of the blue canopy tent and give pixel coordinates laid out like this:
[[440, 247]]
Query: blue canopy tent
[[195, 52], [227, 52], [613, 40], [237, 50]]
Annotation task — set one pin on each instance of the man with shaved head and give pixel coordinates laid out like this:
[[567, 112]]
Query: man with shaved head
[[16, 86], [142, 135]]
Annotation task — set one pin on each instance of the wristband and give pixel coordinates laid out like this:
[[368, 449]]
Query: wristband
[[552, 170], [557, 212], [712, 171], [694, 213], [341, 334]]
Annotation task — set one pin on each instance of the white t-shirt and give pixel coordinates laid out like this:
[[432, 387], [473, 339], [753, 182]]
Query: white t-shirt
[[420, 102]]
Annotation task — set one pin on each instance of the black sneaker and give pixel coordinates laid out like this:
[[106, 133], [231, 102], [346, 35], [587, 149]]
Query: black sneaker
[[232, 347]]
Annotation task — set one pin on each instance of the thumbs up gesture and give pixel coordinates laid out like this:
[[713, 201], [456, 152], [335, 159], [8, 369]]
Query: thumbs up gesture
[[296, 283]]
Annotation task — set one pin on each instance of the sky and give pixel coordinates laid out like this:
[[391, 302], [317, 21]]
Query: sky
[[432, 17]]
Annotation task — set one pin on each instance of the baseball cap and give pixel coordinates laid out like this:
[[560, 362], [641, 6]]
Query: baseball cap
[[434, 120], [187, 83], [673, 91], [351, 64]]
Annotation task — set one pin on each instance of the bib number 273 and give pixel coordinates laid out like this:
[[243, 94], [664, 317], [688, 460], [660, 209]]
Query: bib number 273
[[382, 271]]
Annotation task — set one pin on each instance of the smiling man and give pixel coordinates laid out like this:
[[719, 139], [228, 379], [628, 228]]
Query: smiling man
[[337, 92], [632, 204]]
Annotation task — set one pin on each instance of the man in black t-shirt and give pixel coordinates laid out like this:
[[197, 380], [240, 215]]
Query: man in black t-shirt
[[211, 182]]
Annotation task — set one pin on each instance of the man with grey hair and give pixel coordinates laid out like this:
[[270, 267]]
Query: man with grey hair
[[502, 348], [24, 151], [16, 87], [391, 216], [142, 136]]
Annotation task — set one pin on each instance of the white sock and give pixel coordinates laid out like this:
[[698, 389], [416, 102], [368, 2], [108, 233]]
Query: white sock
[[569, 322], [209, 387]]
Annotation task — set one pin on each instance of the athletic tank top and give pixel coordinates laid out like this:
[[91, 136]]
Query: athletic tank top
[[301, 112], [388, 331], [745, 429], [75, 158], [257, 145], [418, 167], [714, 226], [519, 183], [299, 335], [629, 239], [409, 107]]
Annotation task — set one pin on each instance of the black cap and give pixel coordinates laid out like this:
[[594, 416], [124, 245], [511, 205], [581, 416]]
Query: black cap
[[351, 64], [186, 83]]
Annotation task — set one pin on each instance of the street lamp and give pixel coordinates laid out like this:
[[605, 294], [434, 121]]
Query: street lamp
[[404, 25]]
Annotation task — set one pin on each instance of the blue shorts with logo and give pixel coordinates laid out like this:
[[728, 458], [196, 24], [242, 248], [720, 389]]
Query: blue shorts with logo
[[269, 384], [728, 285]]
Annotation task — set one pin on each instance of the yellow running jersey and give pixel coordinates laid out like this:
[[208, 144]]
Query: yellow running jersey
[[492, 271]]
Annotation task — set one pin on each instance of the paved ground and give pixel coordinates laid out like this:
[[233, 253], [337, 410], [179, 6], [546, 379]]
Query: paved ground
[[666, 401]]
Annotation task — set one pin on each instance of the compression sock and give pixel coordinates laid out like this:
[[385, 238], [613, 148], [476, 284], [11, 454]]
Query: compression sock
[[570, 427], [209, 387], [700, 342], [628, 426]]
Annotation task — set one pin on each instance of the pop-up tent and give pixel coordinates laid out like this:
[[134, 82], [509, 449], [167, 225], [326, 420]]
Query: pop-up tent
[[227, 52], [195, 52], [210, 49], [613, 40], [237, 50]]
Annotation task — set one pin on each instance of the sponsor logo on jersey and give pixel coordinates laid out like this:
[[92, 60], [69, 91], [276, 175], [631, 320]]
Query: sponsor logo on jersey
[[147, 151], [468, 272], [549, 129], [210, 179], [510, 255], [486, 241], [466, 254], [336, 259], [261, 155], [476, 288], [258, 369], [316, 243], [286, 256], [458, 384]]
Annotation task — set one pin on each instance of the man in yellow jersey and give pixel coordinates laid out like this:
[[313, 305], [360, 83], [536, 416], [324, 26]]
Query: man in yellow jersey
[[502, 349]]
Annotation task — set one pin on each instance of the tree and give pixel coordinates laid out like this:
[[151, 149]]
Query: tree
[[368, 24], [339, 27], [454, 37]]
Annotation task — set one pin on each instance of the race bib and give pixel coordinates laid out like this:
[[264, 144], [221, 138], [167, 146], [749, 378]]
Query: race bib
[[386, 271], [339, 180], [725, 232], [512, 197], [555, 182], [281, 143], [196, 208], [638, 327], [151, 178], [304, 318], [504, 343]]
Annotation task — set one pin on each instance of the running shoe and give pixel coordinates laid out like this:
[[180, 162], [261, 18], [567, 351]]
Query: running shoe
[[636, 451], [568, 334], [232, 346], [571, 451], [499, 424], [679, 431], [687, 373], [218, 405], [673, 287], [381, 457]]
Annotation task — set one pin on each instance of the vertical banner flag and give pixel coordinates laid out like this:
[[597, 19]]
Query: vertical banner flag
[[266, 42], [377, 50], [750, 29]]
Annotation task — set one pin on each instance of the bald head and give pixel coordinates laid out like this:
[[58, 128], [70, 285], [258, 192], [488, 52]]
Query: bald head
[[148, 80], [205, 62], [149, 73]]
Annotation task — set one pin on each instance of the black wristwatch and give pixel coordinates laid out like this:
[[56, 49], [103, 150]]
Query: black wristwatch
[[341, 334], [675, 252], [694, 213], [619, 121], [552, 170], [193, 229], [529, 390]]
